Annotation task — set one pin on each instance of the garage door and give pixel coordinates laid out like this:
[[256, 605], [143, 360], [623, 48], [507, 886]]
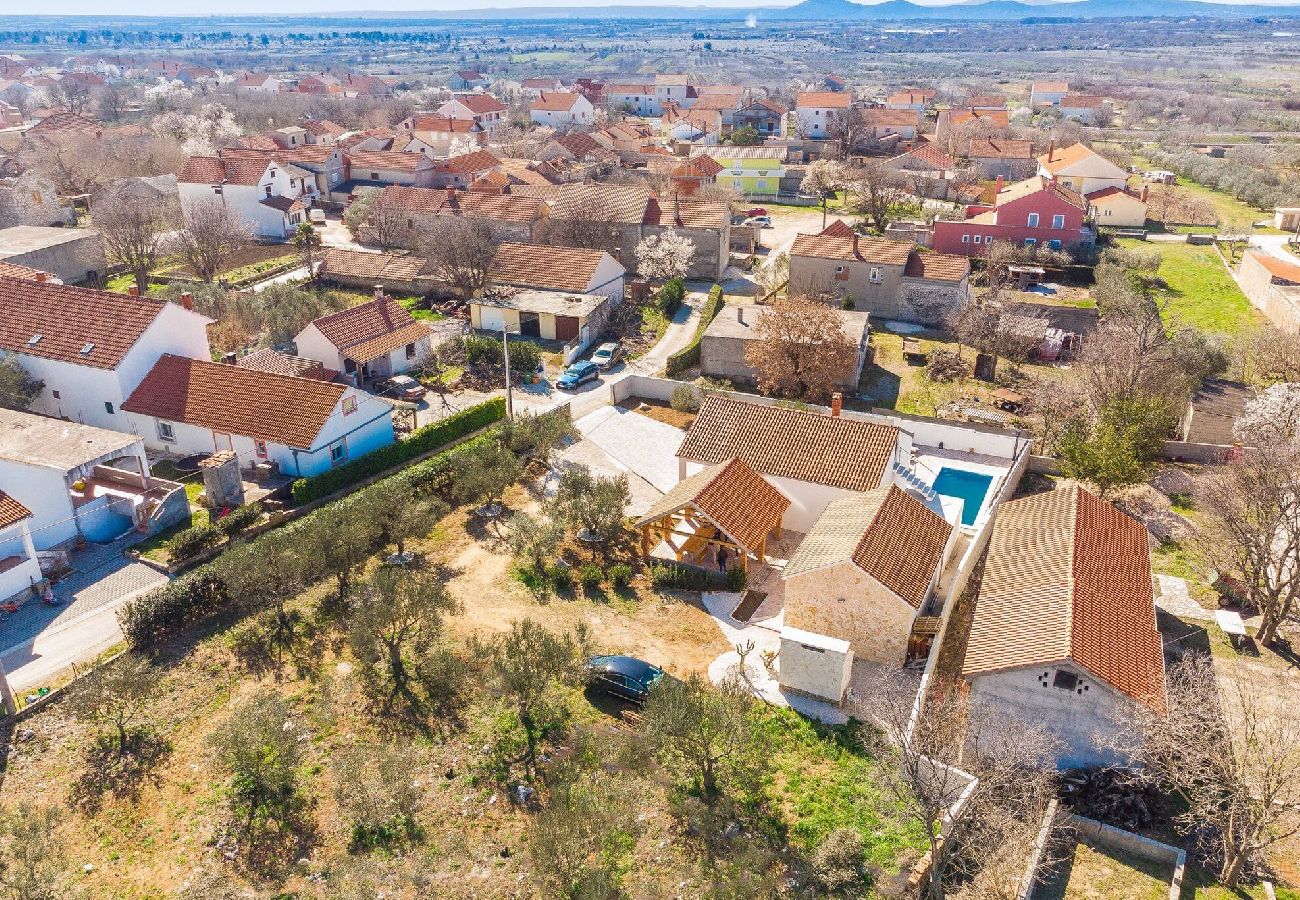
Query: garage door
[[566, 328]]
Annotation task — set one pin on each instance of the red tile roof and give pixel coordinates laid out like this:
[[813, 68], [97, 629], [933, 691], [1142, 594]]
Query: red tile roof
[[549, 268], [852, 249], [823, 100], [11, 511], [480, 104], [554, 101], [370, 330], [732, 496], [937, 266], [430, 201], [904, 545], [243, 168], [999, 148], [789, 443], [442, 124], [62, 123], [236, 400], [388, 160], [468, 163], [75, 325]]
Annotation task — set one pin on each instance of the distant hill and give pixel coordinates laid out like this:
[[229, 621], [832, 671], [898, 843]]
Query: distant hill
[[1007, 10]]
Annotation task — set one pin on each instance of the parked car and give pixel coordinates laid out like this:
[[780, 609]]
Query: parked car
[[760, 221], [756, 211], [624, 676], [577, 374], [607, 354], [316, 215], [402, 387]]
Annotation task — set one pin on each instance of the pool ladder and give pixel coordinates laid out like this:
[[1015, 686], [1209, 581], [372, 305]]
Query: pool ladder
[[909, 479]]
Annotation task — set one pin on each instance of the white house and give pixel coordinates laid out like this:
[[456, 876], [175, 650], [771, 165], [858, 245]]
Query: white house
[[267, 194], [483, 109], [442, 133], [20, 571], [568, 269], [374, 340], [254, 83], [561, 111], [820, 114], [1064, 632], [304, 426], [81, 481], [92, 348], [1048, 93], [637, 98], [1081, 170]]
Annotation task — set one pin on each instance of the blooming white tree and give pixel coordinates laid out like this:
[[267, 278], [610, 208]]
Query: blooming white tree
[[459, 146], [1272, 417], [201, 133], [663, 257]]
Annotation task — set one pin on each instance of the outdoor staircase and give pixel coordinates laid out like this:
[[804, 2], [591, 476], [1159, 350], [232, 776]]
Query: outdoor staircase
[[912, 483]]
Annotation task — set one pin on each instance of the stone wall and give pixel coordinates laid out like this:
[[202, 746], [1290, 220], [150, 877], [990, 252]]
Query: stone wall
[[844, 602]]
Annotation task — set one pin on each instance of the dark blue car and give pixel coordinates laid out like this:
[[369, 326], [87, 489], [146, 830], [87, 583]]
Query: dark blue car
[[623, 676], [577, 374]]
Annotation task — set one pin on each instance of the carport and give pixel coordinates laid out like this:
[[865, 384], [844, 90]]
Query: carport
[[719, 511]]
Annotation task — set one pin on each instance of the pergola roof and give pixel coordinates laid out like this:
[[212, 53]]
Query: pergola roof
[[732, 496]]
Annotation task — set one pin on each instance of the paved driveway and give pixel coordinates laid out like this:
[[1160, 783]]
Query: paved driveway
[[639, 444]]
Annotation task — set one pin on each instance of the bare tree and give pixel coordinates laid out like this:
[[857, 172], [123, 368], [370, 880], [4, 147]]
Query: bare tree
[[1251, 528], [801, 349], [133, 230], [460, 252], [585, 224], [954, 753], [1229, 750], [212, 234], [877, 190]]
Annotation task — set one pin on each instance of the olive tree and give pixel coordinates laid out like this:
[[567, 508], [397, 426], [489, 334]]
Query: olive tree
[[591, 503]]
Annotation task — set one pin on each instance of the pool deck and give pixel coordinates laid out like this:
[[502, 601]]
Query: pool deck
[[927, 462]]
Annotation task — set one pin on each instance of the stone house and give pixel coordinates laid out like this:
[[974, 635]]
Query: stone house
[[32, 199], [72, 255], [388, 167], [889, 279], [1000, 158], [1064, 632], [733, 331], [402, 215], [767, 117], [1273, 287]]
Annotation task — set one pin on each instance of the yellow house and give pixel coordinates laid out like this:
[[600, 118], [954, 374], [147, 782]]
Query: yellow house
[[1113, 207], [576, 320]]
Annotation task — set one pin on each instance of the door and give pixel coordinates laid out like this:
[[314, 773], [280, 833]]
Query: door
[[566, 328], [530, 324]]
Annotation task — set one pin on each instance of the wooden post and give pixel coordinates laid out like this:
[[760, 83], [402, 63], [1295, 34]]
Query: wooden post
[[10, 707], [645, 540], [762, 550]]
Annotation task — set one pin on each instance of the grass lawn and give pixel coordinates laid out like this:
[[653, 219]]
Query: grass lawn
[[1199, 884], [1230, 210], [1200, 291], [1100, 873], [155, 547], [415, 306]]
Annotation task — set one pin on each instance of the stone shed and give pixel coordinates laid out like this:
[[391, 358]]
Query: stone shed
[[74, 255]]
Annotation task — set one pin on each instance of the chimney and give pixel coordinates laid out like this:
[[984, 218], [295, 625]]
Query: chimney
[[229, 358], [379, 292], [187, 300], [133, 290], [998, 189], [1146, 189], [1051, 148], [856, 254], [837, 403], [740, 315], [42, 277]]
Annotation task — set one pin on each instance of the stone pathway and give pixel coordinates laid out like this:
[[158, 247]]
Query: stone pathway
[[1175, 600]]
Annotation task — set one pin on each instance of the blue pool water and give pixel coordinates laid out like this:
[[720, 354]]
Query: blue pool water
[[968, 486]]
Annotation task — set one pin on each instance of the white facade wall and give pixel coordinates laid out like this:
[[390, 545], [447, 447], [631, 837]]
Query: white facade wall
[[16, 541], [815, 121], [608, 280], [45, 492], [581, 113]]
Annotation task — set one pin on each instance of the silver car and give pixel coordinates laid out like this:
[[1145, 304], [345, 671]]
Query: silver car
[[607, 354]]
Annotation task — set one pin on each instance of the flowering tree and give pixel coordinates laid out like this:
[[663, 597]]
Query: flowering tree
[[665, 256], [1272, 416]]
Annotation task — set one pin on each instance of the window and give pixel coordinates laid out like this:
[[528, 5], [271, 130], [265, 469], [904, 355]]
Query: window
[[166, 432], [54, 394], [965, 238], [1055, 245], [338, 452], [839, 270], [410, 224], [259, 446], [1029, 242], [1066, 681], [350, 405], [268, 190], [1059, 221], [1033, 220], [875, 276], [108, 407], [410, 351]]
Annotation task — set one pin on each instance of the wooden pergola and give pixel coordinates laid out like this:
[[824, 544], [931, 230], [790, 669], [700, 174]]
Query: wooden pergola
[[728, 506]]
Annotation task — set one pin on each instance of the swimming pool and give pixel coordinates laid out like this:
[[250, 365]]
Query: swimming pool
[[969, 487]]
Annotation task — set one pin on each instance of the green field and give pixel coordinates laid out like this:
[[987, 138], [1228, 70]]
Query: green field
[[1200, 291], [1231, 211]]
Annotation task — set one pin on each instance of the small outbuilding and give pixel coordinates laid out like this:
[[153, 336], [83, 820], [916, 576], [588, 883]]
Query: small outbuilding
[[73, 255], [576, 320]]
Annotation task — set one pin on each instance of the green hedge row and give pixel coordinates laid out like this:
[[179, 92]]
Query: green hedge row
[[670, 296], [421, 441], [202, 591], [689, 356]]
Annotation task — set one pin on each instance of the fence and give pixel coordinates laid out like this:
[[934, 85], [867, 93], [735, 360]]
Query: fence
[[1102, 835]]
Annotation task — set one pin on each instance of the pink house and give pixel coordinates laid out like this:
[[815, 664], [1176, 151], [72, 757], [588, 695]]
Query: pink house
[[1034, 211]]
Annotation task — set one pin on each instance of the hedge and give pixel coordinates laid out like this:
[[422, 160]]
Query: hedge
[[670, 296], [689, 356], [201, 592], [421, 441]]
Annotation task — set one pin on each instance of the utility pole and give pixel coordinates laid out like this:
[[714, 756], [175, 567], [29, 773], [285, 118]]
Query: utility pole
[[6, 693], [510, 400]]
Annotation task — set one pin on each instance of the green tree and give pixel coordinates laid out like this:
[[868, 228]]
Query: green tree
[[340, 539], [526, 665], [396, 630], [483, 477], [534, 540], [707, 737], [532, 436], [591, 503], [31, 856], [18, 389], [307, 241], [745, 136], [378, 795], [115, 698], [1120, 447], [577, 841], [396, 516]]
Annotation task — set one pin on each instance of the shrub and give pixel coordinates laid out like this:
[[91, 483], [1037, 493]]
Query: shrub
[[193, 541], [620, 575], [670, 296], [590, 576], [422, 441], [525, 356], [480, 350], [682, 578], [560, 576], [684, 399], [156, 614], [689, 356], [737, 579], [240, 519]]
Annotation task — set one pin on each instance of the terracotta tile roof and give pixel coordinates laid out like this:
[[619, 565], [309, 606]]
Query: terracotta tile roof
[[388, 160], [1051, 87], [1278, 268], [242, 168], [878, 118], [823, 100], [702, 166], [550, 268], [937, 266], [64, 123], [430, 201], [930, 155], [985, 100], [1108, 192], [1036, 184], [525, 171], [469, 74], [998, 117], [999, 148], [540, 83], [23, 273], [911, 97], [11, 511], [864, 249], [480, 104], [686, 212], [282, 204], [236, 400], [277, 363], [323, 128], [374, 267], [579, 143], [442, 124], [1062, 158], [555, 101], [719, 100], [732, 496], [256, 142], [370, 330], [1068, 577], [789, 443], [71, 320], [886, 532], [466, 163], [838, 228], [623, 204]]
